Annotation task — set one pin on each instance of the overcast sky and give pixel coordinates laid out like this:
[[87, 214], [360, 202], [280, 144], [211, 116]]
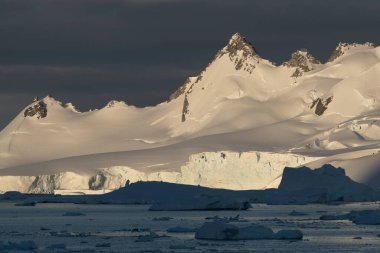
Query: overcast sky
[[89, 52]]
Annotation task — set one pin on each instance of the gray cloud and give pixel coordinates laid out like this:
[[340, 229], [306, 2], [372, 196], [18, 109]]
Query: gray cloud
[[90, 51]]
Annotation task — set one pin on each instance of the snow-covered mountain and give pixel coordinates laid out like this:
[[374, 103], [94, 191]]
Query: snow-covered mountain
[[236, 125]]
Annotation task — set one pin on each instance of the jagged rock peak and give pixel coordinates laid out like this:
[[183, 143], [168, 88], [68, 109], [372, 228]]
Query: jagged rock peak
[[37, 109], [236, 44], [40, 107], [239, 43], [116, 103], [302, 60], [181, 90], [241, 53], [344, 47], [320, 105]]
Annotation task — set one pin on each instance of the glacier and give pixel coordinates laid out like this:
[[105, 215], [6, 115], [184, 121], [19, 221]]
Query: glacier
[[228, 170], [235, 125]]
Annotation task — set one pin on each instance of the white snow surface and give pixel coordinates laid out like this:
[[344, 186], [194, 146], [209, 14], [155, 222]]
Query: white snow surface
[[260, 116]]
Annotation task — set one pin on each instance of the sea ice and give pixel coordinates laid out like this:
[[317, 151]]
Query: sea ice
[[23, 245], [363, 217], [147, 238], [296, 213], [13, 195], [180, 230], [162, 218], [28, 203], [289, 234], [227, 219], [73, 214], [103, 245], [57, 246], [218, 230], [202, 203]]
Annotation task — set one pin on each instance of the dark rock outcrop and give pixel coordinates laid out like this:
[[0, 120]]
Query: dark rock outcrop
[[343, 47], [38, 109], [239, 50], [185, 109], [97, 182], [320, 105], [181, 90], [114, 103], [302, 60]]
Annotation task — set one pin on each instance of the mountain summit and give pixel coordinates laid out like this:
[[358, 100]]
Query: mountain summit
[[241, 53], [303, 61], [235, 125], [37, 109], [342, 48]]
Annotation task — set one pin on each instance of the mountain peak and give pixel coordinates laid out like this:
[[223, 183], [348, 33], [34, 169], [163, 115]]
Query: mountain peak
[[241, 53], [302, 60], [71, 107], [236, 36], [116, 103], [37, 109], [239, 43], [343, 47], [51, 100]]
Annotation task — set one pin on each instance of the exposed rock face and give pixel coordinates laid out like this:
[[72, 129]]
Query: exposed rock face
[[181, 90], [114, 103], [97, 182], [237, 43], [43, 184], [38, 109], [241, 52], [302, 60], [185, 109], [320, 105], [337, 52], [344, 47]]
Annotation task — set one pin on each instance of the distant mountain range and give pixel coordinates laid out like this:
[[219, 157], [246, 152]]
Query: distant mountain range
[[236, 125]]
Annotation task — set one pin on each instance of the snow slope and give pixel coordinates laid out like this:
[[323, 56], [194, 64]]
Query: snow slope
[[240, 105]]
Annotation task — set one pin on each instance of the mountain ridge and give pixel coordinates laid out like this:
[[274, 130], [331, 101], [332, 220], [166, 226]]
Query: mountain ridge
[[238, 42], [238, 105]]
